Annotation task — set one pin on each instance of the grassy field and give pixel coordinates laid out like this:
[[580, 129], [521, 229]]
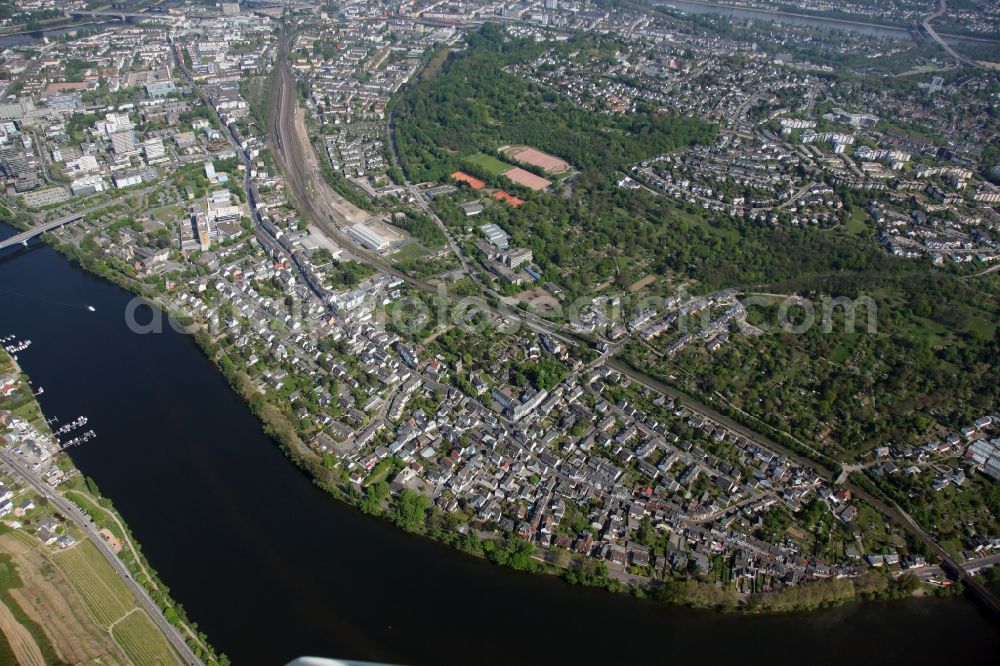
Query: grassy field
[[855, 224], [409, 252], [167, 213], [100, 516], [102, 591], [142, 641], [489, 164]]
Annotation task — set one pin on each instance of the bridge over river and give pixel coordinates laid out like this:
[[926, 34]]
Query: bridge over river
[[25, 236]]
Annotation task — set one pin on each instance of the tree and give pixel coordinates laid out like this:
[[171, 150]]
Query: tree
[[375, 495], [470, 542], [410, 510]]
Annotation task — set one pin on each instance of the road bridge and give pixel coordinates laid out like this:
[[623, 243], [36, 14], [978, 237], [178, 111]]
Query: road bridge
[[109, 14], [25, 236], [926, 23]]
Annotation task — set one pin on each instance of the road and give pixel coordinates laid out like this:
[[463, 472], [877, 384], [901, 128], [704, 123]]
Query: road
[[891, 511], [991, 269], [423, 204], [958, 572], [306, 187], [707, 412], [795, 197], [323, 206], [71, 512], [317, 201], [969, 565], [942, 8], [42, 158], [25, 236]]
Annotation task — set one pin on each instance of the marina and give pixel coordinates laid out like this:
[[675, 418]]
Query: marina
[[17, 346], [72, 425], [85, 437]]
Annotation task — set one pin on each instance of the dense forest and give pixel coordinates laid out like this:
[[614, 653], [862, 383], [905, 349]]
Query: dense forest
[[472, 104]]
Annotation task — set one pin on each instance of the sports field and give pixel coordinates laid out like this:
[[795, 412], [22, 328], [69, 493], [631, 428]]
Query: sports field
[[528, 155], [496, 167], [508, 198], [471, 181], [488, 163], [527, 179]]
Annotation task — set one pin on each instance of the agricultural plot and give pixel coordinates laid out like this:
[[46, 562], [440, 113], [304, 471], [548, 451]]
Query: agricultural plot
[[102, 591], [41, 591], [139, 638]]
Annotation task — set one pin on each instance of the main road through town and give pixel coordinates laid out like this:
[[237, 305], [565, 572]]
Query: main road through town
[[72, 512], [328, 210]]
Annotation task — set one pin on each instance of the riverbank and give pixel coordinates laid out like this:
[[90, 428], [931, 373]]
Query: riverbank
[[414, 513], [271, 568], [96, 554], [826, 17], [816, 19]]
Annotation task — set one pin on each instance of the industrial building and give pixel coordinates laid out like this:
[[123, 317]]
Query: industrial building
[[367, 237]]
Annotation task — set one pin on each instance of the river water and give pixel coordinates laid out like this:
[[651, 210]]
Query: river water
[[860, 27], [25, 38], [272, 568]]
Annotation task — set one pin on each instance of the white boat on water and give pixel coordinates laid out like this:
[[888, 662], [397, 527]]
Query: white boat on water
[[92, 308]]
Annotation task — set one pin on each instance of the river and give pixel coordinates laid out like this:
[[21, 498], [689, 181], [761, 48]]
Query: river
[[30, 37], [860, 26], [272, 568]]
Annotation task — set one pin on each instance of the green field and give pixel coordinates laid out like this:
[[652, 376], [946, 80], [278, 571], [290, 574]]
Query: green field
[[856, 223], [167, 213], [140, 639], [99, 586], [409, 252], [491, 165]]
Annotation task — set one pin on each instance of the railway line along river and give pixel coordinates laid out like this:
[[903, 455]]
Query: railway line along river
[[272, 568]]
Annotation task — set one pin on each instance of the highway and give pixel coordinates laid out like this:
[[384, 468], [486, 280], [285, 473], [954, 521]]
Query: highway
[[71, 512], [926, 23]]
